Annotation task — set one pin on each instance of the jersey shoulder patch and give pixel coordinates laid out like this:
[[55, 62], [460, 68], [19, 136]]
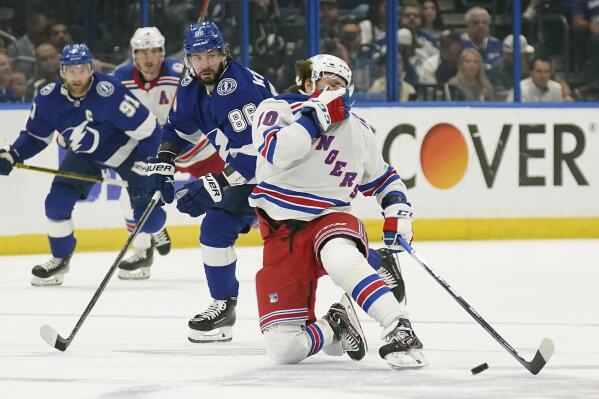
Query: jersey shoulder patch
[[226, 86], [105, 88], [47, 89]]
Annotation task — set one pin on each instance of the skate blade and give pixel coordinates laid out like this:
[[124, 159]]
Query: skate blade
[[138, 274], [412, 359], [223, 334], [47, 282]]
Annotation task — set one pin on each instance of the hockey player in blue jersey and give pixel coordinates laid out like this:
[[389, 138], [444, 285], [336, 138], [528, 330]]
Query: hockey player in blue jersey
[[217, 98], [101, 125]]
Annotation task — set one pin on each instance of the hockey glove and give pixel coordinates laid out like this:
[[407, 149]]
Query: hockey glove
[[327, 108], [8, 157], [197, 197], [398, 222], [160, 177]]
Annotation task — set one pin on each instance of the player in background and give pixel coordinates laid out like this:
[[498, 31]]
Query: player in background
[[153, 78], [101, 125], [216, 98], [314, 157]]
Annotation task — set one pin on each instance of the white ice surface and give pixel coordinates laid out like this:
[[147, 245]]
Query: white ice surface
[[134, 343]]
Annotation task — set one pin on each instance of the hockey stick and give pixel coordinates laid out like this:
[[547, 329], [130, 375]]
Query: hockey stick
[[49, 334], [542, 355], [72, 175]]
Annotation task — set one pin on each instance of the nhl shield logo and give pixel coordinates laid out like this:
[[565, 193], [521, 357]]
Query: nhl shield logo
[[47, 89], [105, 89], [273, 297], [226, 86]]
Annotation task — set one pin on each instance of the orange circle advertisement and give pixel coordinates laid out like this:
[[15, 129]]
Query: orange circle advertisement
[[444, 156]]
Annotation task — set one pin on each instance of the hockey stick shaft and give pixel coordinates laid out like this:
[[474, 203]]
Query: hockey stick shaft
[[545, 350], [62, 344], [72, 175]]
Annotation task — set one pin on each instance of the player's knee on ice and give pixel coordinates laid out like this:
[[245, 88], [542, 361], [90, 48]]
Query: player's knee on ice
[[286, 343]]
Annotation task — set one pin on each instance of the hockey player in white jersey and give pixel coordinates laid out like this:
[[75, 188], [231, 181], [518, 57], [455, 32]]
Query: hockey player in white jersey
[[153, 78], [314, 157]]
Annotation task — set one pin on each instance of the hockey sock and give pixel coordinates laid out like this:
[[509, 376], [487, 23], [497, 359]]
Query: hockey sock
[[348, 268], [220, 265], [373, 259]]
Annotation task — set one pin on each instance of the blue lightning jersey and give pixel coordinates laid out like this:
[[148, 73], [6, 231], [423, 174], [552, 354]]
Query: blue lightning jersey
[[223, 116], [107, 125]]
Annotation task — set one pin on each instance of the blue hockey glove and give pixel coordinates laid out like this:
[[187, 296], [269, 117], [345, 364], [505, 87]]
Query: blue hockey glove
[[160, 177], [8, 157], [197, 197]]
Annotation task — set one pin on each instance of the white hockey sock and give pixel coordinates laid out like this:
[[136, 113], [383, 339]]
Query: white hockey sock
[[349, 269]]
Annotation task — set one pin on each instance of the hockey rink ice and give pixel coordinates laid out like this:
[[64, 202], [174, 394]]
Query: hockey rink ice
[[134, 343]]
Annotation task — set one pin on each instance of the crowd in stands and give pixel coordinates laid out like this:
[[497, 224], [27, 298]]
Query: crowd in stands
[[452, 50]]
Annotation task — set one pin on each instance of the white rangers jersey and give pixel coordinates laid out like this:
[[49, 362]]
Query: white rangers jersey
[[304, 178], [157, 95]]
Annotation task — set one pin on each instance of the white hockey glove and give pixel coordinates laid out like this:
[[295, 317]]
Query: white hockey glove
[[398, 222], [331, 106]]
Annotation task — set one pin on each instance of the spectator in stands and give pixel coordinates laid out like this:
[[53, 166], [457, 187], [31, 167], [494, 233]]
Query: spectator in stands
[[59, 35], [432, 21], [25, 46], [329, 19], [47, 68], [501, 73], [6, 94], [585, 22], [361, 57], [539, 87], [268, 48], [478, 25], [424, 43], [405, 40], [439, 68], [374, 27], [471, 78], [406, 90], [18, 85]]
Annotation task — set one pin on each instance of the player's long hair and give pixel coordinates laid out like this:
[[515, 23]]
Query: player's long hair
[[303, 72]]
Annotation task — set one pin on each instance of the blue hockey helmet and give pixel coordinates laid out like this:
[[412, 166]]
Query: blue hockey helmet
[[75, 54], [202, 36]]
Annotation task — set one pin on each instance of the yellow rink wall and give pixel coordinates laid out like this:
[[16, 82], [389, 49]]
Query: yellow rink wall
[[443, 229]]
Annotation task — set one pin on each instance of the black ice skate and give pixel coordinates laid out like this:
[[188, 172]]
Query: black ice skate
[[347, 329], [162, 242], [214, 324], [404, 349], [50, 273], [391, 274], [137, 266]]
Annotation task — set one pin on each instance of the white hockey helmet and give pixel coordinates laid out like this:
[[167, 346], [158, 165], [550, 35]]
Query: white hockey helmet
[[148, 37], [326, 63]]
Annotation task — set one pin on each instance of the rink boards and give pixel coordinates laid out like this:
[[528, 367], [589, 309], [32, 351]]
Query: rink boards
[[472, 173]]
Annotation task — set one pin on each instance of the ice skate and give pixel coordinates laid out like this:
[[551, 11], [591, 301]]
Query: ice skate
[[162, 242], [404, 349], [391, 274], [137, 266], [348, 332], [214, 324], [50, 273]]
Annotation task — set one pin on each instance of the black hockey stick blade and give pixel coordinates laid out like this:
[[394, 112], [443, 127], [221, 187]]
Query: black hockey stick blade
[[53, 338], [542, 356]]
